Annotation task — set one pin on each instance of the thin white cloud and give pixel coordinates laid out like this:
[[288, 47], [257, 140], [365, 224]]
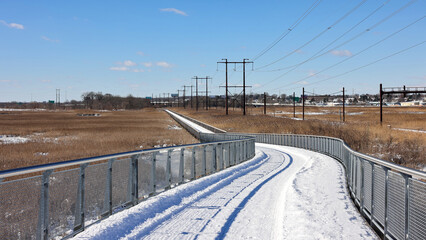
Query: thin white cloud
[[138, 70], [140, 53], [257, 85], [299, 51], [164, 64], [341, 53], [147, 64], [303, 82], [174, 10], [5, 81], [46, 81], [129, 63], [48, 39], [12, 25], [203, 65], [119, 68]]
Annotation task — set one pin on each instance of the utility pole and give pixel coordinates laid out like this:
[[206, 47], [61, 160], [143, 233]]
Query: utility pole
[[343, 104], [264, 103], [184, 88], [381, 104], [294, 104], [207, 93], [58, 97], [226, 90], [244, 62], [303, 103], [196, 92], [179, 95]]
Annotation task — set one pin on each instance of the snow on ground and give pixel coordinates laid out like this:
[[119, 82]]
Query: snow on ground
[[20, 110], [410, 130], [193, 125], [11, 139], [282, 193]]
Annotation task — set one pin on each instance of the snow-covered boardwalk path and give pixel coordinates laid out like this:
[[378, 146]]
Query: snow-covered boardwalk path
[[282, 193]]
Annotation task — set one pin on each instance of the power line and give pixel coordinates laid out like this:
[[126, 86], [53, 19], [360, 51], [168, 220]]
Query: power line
[[316, 55], [365, 49], [317, 36], [363, 66], [291, 28]]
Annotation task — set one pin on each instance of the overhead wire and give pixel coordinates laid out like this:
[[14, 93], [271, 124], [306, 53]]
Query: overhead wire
[[361, 67], [317, 36], [291, 28], [317, 54], [346, 59]]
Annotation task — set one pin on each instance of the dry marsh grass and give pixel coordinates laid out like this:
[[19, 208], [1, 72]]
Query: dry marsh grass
[[361, 132], [60, 136]]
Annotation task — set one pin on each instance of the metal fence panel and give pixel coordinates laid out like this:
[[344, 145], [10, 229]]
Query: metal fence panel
[[396, 205], [144, 174], [95, 179], [19, 208], [379, 194], [120, 182], [62, 202], [367, 185], [417, 210]]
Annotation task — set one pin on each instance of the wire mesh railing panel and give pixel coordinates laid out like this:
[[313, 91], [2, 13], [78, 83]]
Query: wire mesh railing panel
[[19, 208], [209, 159], [417, 210], [199, 165], [144, 175], [396, 205], [120, 183], [358, 178], [63, 188], [379, 194], [188, 164], [175, 165], [94, 195], [160, 170], [367, 185]]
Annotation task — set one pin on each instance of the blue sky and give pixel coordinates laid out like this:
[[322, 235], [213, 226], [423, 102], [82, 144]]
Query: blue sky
[[154, 47]]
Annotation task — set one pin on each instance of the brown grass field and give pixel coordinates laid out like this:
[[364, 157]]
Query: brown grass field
[[361, 130], [63, 135]]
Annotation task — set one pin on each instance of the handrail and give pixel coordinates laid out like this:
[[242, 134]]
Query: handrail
[[57, 165]]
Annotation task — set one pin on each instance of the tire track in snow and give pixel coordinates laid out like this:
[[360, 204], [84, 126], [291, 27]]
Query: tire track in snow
[[202, 212]]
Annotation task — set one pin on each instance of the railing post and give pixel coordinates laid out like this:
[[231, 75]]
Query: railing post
[[134, 179], [169, 169], [43, 214], [362, 187], [108, 190], [214, 160], [181, 165], [193, 164], [153, 170], [204, 163], [407, 205], [79, 211], [385, 231], [372, 193]]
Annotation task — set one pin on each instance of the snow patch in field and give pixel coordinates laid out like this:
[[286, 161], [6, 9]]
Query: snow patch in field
[[174, 127], [410, 130], [21, 110], [12, 139]]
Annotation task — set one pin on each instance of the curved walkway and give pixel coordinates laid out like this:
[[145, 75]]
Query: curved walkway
[[283, 193]]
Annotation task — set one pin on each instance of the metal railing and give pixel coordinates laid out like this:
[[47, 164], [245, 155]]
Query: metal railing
[[64, 198], [390, 197]]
